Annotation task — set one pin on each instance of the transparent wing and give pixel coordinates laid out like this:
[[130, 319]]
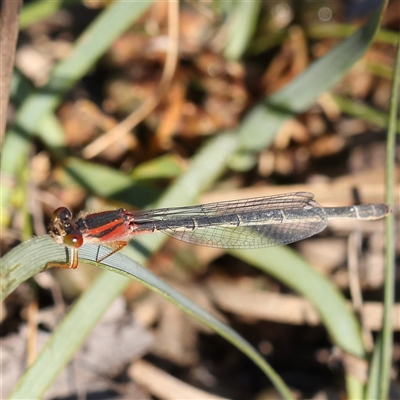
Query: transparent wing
[[240, 224], [245, 237]]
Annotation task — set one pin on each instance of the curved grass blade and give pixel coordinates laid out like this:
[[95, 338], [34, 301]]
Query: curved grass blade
[[374, 377], [116, 184], [30, 257], [241, 26], [363, 112], [385, 356], [39, 10], [337, 30]]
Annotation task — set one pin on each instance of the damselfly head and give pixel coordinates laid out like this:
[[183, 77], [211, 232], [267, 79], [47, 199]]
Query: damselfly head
[[63, 230]]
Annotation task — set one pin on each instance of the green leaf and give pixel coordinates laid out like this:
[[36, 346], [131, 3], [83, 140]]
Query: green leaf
[[135, 188], [363, 112], [333, 30], [39, 10], [115, 184], [241, 26], [166, 166], [374, 377]]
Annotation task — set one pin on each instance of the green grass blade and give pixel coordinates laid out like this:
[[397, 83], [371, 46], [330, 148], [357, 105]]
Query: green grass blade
[[390, 198], [50, 129], [116, 185], [327, 30], [373, 384], [136, 189], [39, 10], [363, 112], [241, 26]]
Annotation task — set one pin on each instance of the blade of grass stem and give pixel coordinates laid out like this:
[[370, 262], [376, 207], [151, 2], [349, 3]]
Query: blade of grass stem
[[363, 112], [116, 185], [320, 31], [373, 384], [39, 10], [241, 26], [50, 129], [387, 329]]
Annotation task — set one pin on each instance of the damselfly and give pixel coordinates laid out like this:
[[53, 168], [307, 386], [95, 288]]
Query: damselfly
[[236, 224]]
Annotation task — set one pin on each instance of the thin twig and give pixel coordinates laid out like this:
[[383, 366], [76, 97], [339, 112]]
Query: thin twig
[[32, 332], [353, 246]]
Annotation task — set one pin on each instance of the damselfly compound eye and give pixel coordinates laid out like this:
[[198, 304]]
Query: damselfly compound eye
[[61, 213], [74, 240], [63, 230]]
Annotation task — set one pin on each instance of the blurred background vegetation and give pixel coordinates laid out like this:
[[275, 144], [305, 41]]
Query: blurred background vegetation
[[110, 105]]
